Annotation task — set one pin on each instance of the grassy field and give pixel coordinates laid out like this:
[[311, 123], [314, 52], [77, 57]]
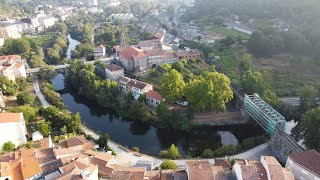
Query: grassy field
[[42, 39], [231, 33], [227, 63]]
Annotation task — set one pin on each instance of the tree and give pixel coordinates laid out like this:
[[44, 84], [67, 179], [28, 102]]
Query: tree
[[271, 98], [311, 126], [47, 73], [73, 123], [172, 85], [177, 66], [63, 130], [252, 82], [24, 98], [103, 141], [174, 152], [210, 91], [163, 112], [45, 128], [139, 111], [7, 86], [245, 63], [168, 164], [29, 112], [21, 83], [8, 146], [207, 153], [307, 95]]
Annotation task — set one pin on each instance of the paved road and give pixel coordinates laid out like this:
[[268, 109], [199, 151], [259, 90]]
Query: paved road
[[36, 87], [255, 153]]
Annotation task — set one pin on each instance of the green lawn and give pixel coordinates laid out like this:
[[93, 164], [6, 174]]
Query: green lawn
[[227, 63], [231, 33], [42, 39]]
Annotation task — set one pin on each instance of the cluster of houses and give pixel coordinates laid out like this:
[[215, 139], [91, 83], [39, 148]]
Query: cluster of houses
[[12, 67], [77, 158]]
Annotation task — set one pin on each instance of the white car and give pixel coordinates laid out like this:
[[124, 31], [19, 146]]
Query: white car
[[184, 103]]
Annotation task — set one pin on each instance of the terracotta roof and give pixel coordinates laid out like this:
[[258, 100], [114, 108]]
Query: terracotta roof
[[117, 48], [191, 52], [274, 167], [79, 163], [76, 141], [137, 84], [123, 79], [154, 95], [128, 173], [29, 163], [199, 170], [16, 172], [225, 163], [64, 152], [10, 117], [45, 143], [155, 52], [113, 68], [169, 55], [91, 152], [104, 157], [68, 159], [309, 159], [158, 35], [130, 52], [18, 65], [151, 42], [10, 57], [4, 169]]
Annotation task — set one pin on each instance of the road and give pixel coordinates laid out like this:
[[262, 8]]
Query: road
[[126, 157], [38, 92]]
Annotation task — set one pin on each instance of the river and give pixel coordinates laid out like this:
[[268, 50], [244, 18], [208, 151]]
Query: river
[[72, 45], [149, 139]]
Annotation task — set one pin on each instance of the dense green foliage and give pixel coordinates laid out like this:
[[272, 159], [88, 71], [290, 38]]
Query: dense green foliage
[[51, 95], [8, 146], [207, 153], [25, 98], [209, 91], [29, 113], [139, 111], [103, 141], [45, 128], [168, 164], [173, 153], [172, 85], [311, 126]]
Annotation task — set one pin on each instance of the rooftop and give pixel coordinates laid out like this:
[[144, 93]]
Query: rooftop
[[154, 95], [10, 117], [76, 141], [123, 79], [114, 68], [200, 170], [104, 156], [309, 159], [137, 84], [130, 52]]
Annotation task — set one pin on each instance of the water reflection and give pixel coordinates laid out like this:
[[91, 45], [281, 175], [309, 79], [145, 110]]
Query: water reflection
[[72, 45]]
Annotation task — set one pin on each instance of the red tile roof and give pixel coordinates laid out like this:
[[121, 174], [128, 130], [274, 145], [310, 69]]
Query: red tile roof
[[10, 57], [130, 52], [154, 95], [10, 117], [199, 170], [309, 159], [76, 141], [113, 68]]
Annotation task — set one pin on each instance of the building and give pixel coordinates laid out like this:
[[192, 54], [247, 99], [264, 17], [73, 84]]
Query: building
[[150, 44], [33, 22], [203, 170], [134, 59], [105, 163], [129, 173], [10, 31], [138, 88], [153, 98], [7, 71], [188, 54], [99, 52], [244, 169], [47, 22], [114, 71], [144, 163], [12, 70], [304, 165], [78, 143], [122, 83], [12, 128], [15, 58], [274, 169], [123, 17], [240, 28]]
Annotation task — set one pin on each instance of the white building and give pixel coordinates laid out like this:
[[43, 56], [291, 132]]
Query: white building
[[304, 165], [10, 31], [114, 71], [99, 52], [153, 98], [12, 128], [47, 22], [240, 28]]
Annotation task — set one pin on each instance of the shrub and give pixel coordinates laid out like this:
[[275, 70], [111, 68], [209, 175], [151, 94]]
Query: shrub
[[8, 146], [56, 139], [164, 154], [226, 150], [168, 164], [178, 66], [24, 98], [29, 144], [207, 153], [248, 143], [174, 152], [136, 149]]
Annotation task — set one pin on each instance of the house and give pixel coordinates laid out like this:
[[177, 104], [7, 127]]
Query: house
[[304, 165], [129, 173], [7, 71], [10, 30], [122, 83], [14, 58], [99, 52], [244, 169], [153, 98], [105, 163], [150, 44], [138, 88], [188, 54], [203, 170], [133, 58], [47, 22], [114, 71], [13, 128], [79, 143], [12, 67], [274, 169], [21, 165]]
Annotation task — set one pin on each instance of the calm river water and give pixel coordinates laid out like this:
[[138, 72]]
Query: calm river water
[[149, 139]]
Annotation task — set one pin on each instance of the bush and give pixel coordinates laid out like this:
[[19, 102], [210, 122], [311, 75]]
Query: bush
[[177, 66], [252, 142], [29, 144], [174, 152], [139, 111], [164, 154], [56, 139], [24, 98], [226, 150], [168, 164], [207, 153], [136, 149], [29, 112], [8, 146]]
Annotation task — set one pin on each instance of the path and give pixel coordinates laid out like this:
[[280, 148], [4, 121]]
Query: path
[[126, 157], [38, 92]]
